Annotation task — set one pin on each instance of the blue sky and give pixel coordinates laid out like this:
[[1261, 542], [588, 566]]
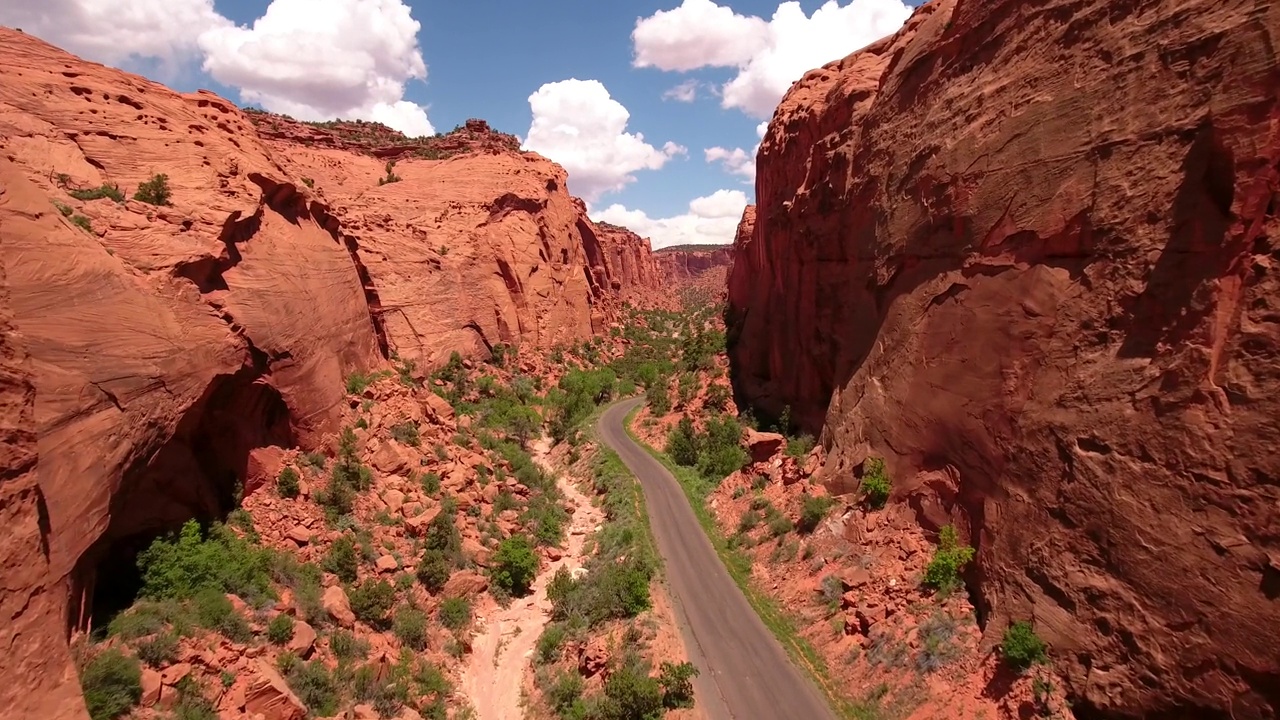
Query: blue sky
[[485, 58]]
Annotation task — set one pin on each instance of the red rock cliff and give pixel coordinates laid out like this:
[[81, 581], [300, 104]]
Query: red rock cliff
[[166, 341], [686, 262], [1028, 253], [620, 261]]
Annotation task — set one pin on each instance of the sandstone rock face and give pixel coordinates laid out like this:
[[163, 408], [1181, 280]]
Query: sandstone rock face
[[620, 261], [687, 262], [41, 679], [1028, 255], [269, 696]]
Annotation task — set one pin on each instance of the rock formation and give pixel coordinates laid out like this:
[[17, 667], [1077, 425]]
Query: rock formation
[[1028, 255], [686, 262], [619, 259], [168, 339]]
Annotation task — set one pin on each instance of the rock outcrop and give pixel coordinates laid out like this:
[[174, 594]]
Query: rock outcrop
[[169, 339], [1028, 255], [620, 261], [687, 262]]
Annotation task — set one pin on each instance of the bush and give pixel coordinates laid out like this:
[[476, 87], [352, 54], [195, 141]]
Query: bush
[[315, 687], [410, 625], [564, 691], [347, 646], [112, 684], [550, 642], [371, 600], [154, 191], [183, 565], [677, 684], [434, 570], [943, 571], [721, 450], [658, 398], [515, 565], [875, 483], [682, 443], [799, 447], [105, 190], [161, 649], [631, 693], [215, 612], [718, 397], [1021, 647], [287, 483], [406, 433], [280, 629], [813, 510], [455, 613], [342, 559]]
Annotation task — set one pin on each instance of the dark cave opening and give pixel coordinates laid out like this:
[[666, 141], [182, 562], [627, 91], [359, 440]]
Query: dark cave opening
[[197, 473]]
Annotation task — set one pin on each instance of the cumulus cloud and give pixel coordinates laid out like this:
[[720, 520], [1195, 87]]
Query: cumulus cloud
[[577, 124], [312, 59], [769, 56], [685, 92], [712, 219], [736, 161]]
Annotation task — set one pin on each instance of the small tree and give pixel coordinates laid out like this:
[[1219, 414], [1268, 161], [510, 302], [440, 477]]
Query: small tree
[[943, 572], [280, 629], [287, 483], [514, 565], [154, 191], [682, 443], [875, 483], [112, 684], [1021, 647]]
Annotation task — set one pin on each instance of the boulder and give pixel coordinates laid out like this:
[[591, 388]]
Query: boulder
[[338, 606], [386, 564], [303, 640], [465, 583], [269, 695], [151, 684], [763, 445]]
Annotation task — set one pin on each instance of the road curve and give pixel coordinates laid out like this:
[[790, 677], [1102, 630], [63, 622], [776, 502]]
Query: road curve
[[745, 673]]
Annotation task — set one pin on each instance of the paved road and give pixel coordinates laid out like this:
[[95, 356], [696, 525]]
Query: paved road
[[746, 675]]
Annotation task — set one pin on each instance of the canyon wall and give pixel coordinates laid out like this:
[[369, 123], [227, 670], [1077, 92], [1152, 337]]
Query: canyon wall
[[687, 262], [1027, 253], [165, 341]]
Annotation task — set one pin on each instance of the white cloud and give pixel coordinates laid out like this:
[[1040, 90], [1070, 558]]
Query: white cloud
[[685, 92], [697, 34], [312, 59], [712, 219], [577, 124], [736, 161], [769, 56]]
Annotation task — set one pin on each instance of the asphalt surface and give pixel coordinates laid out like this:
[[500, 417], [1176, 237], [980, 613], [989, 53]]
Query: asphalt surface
[[745, 673]]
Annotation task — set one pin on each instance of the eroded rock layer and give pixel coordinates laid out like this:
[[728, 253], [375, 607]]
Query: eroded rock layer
[[168, 339], [685, 263], [1027, 253]]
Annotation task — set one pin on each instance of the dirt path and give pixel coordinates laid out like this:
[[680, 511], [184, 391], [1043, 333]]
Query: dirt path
[[505, 639]]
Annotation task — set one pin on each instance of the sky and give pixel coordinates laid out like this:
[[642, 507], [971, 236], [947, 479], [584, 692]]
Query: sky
[[655, 107]]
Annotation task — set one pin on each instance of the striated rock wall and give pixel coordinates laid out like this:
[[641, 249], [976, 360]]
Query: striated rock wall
[[685, 263], [1027, 253], [626, 259], [166, 342]]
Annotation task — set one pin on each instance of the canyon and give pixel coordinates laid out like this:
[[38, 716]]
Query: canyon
[[1026, 254], [152, 346]]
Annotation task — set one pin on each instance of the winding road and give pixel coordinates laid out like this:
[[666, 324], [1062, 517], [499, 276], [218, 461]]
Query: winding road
[[745, 673]]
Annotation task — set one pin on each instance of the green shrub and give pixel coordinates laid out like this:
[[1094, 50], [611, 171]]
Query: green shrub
[[515, 565], [308, 182], [799, 447], [105, 190], [391, 176], [357, 382], [682, 443], [431, 484], [287, 483], [181, 566], [720, 451], [718, 397], [154, 191], [215, 612], [315, 687], [812, 512], [112, 684], [159, 650], [1021, 647], [434, 570], [371, 600], [779, 526], [677, 684], [943, 571], [346, 646], [656, 395], [410, 625], [280, 629], [455, 613], [875, 483], [563, 692], [139, 621], [342, 559], [406, 433], [631, 693], [550, 642], [314, 460]]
